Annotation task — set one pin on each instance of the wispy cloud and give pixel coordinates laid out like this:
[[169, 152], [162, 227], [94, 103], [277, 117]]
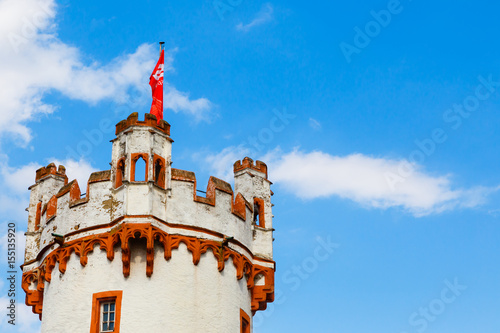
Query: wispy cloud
[[79, 170], [179, 101], [265, 15], [221, 164], [360, 178], [16, 180], [314, 124], [35, 62]]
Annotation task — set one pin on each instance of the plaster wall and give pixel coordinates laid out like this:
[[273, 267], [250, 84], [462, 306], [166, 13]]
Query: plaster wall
[[179, 296]]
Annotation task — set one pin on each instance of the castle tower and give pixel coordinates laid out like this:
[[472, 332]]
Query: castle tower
[[142, 251]]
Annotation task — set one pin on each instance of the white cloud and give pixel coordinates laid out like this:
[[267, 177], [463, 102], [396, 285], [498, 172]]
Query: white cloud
[[34, 62], [15, 182], [18, 180], [26, 320], [360, 178], [221, 164], [179, 101], [264, 16], [14, 206], [79, 170]]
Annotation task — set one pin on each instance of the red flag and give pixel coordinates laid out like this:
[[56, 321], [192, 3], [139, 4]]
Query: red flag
[[156, 83]]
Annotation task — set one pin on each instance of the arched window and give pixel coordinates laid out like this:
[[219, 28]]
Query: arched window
[[159, 171], [140, 170], [258, 212], [139, 167], [120, 172]]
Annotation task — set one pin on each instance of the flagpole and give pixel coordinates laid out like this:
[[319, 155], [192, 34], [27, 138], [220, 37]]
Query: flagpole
[[161, 44]]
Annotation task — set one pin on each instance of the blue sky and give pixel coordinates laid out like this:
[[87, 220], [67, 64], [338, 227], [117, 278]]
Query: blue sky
[[377, 120]]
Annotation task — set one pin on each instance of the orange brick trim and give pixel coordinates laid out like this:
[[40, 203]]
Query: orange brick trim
[[135, 157], [245, 322], [34, 297], [51, 170], [238, 204], [51, 208], [120, 172], [159, 162], [170, 225], [149, 120], [74, 191], [247, 163], [97, 300], [65, 189], [183, 175], [100, 176], [261, 294], [38, 216]]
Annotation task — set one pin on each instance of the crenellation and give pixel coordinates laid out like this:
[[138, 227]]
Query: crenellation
[[178, 174], [224, 229], [149, 121], [100, 176], [66, 209], [72, 187], [239, 205], [219, 210], [50, 209], [51, 169], [247, 165], [48, 182], [101, 205]]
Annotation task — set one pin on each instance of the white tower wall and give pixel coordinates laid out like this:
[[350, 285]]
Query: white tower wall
[[179, 297]]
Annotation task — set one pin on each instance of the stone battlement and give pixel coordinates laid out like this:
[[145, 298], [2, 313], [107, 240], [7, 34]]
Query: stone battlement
[[248, 163], [51, 169], [238, 205], [67, 211], [149, 120]]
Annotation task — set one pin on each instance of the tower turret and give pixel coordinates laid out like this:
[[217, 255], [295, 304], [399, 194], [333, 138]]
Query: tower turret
[[48, 181], [251, 180], [146, 142], [146, 252]]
